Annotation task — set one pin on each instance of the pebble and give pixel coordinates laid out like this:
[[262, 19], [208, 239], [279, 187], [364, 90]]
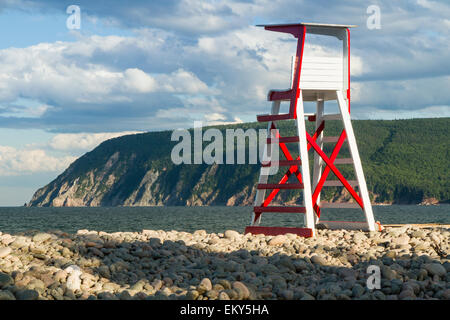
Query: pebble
[[125, 295], [73, 280], [379, 295], [155, 264], [104, 271], [96, 252], [223, 296], [20, 242], [357, 291], [231, 234], [41, 237], [60, 275], [4, 252], [316, 259], [402, 240], [406, 294], [446, 294], [277, 240], [435, 269], [6, 295], [107, 296], [192, 295], [419, 234], [109, 286], [241, 289], [212, 294], [204, 286], [388, 273], [157, 284], [359, 237], [27, 294], [5, 280], [287, 294], [138, 286], [307, 296], [225, 283]]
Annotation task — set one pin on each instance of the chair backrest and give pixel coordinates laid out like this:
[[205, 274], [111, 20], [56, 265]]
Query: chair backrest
[[322, 73], [319, 73]]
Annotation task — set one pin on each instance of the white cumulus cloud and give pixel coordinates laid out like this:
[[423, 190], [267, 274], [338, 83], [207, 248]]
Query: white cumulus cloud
[[83, 141], [14, 162]]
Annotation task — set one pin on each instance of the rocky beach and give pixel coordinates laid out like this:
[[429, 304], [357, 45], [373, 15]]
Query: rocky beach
[[414, 263]]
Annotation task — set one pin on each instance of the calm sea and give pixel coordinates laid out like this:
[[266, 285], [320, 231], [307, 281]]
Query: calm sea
[[211, 219]]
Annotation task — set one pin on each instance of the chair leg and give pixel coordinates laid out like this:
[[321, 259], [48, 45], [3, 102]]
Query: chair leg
[[303, 151], [318, 163], [356, 160]]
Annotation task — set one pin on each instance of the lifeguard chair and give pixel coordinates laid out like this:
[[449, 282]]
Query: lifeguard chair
[[317, 79]]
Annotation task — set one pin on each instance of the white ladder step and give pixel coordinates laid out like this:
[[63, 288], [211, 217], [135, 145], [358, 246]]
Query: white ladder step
[[336, 116], [337, 183], [331, 139], [344, 205], [343, 161]]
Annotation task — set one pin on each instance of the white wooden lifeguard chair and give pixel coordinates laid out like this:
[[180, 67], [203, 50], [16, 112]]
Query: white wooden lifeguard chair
[[316, 79]]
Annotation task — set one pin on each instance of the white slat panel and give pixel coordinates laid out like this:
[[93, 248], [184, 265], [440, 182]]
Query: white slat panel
[[309, 85], [320, 78], [318, 66], [322, 73], [334, 68], [322, 60]]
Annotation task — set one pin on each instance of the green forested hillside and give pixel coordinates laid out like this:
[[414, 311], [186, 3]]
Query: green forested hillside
[[404, 161]]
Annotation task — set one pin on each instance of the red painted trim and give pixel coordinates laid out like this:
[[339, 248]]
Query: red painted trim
[[293, 29], [275, 231], [298, 69], [348, 64], [335, 170], [327, 169], [284, 139], [281, 95], [292, 169], [280, 209], [273, 117], [286, 152]]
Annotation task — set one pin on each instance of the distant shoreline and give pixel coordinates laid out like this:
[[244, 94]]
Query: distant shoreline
[[194, 206], [212, 206]]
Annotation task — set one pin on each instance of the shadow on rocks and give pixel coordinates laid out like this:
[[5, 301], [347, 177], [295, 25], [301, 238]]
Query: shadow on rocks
[[200, 266]]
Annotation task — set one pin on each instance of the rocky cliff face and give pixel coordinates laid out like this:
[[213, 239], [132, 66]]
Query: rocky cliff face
[[96, 188], [137, 170]]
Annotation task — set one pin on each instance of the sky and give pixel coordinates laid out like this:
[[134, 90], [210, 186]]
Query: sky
[[138, 66]]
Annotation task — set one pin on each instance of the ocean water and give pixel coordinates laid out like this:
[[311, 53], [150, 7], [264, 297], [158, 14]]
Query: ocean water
[[189, 219]]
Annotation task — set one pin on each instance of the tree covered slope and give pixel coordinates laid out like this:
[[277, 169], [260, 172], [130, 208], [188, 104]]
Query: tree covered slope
[[404, 161]]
